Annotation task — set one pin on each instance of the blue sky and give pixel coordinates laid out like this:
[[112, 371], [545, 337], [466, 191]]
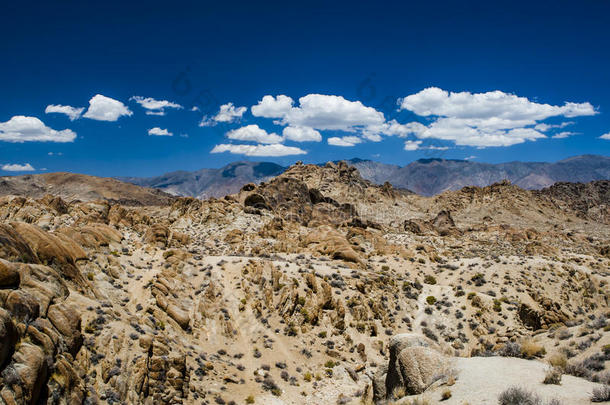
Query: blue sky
[[393, 82]]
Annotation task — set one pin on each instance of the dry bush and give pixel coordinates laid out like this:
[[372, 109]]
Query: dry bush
[[552, 376], [558, 360], [601, 394], [531, 349]]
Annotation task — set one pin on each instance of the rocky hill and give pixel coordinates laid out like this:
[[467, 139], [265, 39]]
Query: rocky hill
[[72, 186], [313, 287]]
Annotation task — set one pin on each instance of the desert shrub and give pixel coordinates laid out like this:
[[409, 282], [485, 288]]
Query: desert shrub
[[595, 362], [601, 394], [446, 395], [559, 360], [429, 334], [531, 349], [511, 349], [552, 376], [429, 279], [518, 396], [577, 370], [250, 399], [478, 279], [431, 300]]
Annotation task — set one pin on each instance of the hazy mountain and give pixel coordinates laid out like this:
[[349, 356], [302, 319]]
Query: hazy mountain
[[433, 176], [424, 176], [206, 183]]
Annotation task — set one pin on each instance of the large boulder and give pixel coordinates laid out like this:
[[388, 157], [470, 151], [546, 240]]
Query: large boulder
[[23, 380], [415, 364], [328, 241], [14, 247], [67, 321]]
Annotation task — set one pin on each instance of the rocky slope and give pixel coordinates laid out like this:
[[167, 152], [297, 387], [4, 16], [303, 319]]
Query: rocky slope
[[315, 287], [72, 186]]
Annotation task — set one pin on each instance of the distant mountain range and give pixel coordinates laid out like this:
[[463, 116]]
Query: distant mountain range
[[424, 176], [207, 183]]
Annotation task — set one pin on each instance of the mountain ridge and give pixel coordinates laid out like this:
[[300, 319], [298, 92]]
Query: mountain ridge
[[429, 176]]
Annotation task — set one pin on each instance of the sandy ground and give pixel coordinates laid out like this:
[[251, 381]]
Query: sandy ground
[[482, 379]]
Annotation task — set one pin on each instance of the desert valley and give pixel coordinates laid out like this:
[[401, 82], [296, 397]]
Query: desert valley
[[313, 287]]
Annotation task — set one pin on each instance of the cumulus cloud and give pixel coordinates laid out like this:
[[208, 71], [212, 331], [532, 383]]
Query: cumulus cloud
[[412, 145], [156, 131], [102, 108], [229, 113], [255, 134], [259, 150], [15, 167], [155, 107], [272, 107], [605, 136], [486, 119], [319, 111], [30, 129], [301, 134], [493, 104], [345, 141], [73, 113]]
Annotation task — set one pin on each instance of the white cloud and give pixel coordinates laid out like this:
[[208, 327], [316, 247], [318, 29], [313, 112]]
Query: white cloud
[[272, 107], [30, 129], [605, 136], [319, 111], [255, 134], [156, 131], [195, 108], [563, 134], [545, 127], [301, 134], [102, 108], [258, 150], [14, 167], [470, 157], [393, 128], [493, 104], [486, 119], [412, 145], [229, 113], [72, 112], [346, 141], [154, 107]]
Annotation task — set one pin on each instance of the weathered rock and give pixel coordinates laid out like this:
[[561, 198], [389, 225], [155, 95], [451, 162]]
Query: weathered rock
[[9, 276], [26, 376], [414, 365], [67, 321], [14, 247], [8, 336]]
